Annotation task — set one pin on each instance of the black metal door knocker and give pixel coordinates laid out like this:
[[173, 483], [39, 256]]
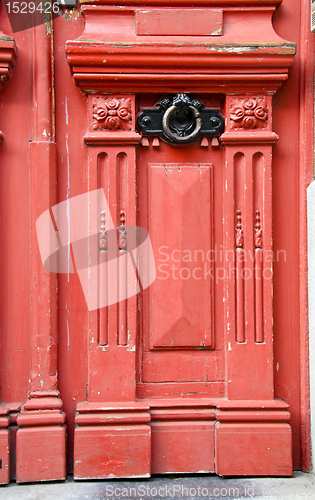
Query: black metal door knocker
[[180, 119]]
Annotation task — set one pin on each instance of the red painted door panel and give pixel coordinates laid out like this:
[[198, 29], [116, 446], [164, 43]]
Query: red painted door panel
[[180, 228], [181, 335]]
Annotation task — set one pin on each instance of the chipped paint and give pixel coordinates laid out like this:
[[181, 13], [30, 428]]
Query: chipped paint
[[71, 14], [217, 31]]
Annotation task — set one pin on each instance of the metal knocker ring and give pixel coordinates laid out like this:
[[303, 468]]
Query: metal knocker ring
[[172, 135]]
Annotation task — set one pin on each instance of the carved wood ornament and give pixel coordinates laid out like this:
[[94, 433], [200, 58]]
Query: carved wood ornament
[[258, 231], [239, 238], [112, 113], [249, 113]]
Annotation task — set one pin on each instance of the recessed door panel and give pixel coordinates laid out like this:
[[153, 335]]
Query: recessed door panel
[[180, 227]]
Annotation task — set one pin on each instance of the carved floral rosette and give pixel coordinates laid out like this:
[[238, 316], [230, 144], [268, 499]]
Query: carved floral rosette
[[249, 113], [112, 113]]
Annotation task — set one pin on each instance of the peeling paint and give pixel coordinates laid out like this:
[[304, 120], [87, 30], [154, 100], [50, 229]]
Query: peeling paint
[[68, 334], [66, 110], [217, 31]]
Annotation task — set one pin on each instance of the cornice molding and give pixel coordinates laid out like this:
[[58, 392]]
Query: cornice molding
[[8, 52], [189, 3], [244, 55]]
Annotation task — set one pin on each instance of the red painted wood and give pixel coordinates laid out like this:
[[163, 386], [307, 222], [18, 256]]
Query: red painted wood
[[292, 283], [191, 369], [205, 3], [166, 63], [5, 456], [30, 439], [99, 364], [306, 177], [102, 452], [7, 57], [252, 416], [176, 447], [181, 297], [253, 449], [183, 22], [38, 453]]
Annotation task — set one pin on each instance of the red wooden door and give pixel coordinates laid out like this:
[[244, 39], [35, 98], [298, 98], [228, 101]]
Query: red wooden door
[[196, 369], [172, 349]]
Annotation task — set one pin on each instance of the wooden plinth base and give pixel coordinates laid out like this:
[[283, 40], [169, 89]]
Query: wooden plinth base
[[4, 456], [112, 440], [41, 441], [40, 454], [4, 445], [253, 442], [182, 439], [239, 438]]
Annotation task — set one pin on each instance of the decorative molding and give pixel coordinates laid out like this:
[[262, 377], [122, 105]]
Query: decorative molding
[[258, 270], [248, 120], [249, 113], [115, 138], [8, 52], [105, 439], [239, 279], [258, 231], [103, 235], [190, 3], [111, 57], [239, 234], [249, 136], [112, 113], [122, 231]]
